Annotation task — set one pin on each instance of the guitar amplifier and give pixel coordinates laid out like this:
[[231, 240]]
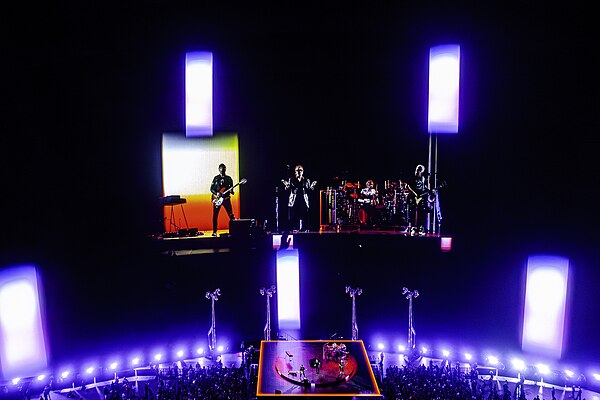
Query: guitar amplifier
[[242, 227]]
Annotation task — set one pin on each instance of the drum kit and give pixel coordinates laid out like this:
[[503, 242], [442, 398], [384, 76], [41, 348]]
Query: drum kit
[[349, 204]]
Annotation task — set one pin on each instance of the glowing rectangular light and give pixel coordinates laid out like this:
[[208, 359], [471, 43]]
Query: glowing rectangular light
[[446, 243], [444, 74], [545, 305], [288, 289], [288, 242], [198, 93], [22, 341]]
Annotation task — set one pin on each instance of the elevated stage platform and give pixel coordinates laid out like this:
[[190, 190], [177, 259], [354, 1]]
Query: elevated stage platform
[[205, 243]]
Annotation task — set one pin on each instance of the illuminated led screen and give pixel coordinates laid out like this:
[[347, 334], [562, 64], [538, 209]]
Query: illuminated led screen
[[22, 340], [545, 305], [288, 289], [198, 93], [444, 74], [189, 166]]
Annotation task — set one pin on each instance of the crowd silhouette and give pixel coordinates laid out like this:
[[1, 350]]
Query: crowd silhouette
[[216, 382]]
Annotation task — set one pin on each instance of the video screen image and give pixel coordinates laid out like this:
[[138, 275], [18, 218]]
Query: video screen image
[[188, 167], [315, 368]]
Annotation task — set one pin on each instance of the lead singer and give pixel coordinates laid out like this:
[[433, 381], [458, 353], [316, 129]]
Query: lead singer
[[298, 203]]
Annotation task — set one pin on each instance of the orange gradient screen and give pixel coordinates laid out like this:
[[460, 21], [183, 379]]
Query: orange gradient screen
[[189, 166]]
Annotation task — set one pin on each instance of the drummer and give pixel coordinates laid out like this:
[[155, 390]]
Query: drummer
[[368, 194], [368, 201]]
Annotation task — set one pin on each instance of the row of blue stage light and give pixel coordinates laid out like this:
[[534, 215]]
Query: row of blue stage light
[[507, 364], [105, 368]]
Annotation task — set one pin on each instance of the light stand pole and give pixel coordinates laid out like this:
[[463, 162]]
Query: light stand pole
[[268, 293], [212, 332], [276, 209], [411, 330], [353, 293]]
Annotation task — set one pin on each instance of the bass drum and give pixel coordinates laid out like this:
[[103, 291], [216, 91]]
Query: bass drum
[[362, 216]]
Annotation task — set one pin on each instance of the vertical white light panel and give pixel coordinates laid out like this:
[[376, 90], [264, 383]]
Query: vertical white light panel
[[22, 341], [444, 74], [198, 93], [288, 289], [545, 305]]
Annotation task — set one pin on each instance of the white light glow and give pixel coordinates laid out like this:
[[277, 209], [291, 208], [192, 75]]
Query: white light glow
[[545, 305], [135, 361], [543, 369], [16, 380], [569, 373], [444, 78], [158, 356], [114, 365], [493, 360], [89, 370], [64, 374], [22, 342], [200, 350], [41, 377], [597, 376], [446, 353], [380, 346], [180, 353], [424, 350], [468, 356], [288, 289], [518, 364], [220, 349], [199, 93], [401, 348]]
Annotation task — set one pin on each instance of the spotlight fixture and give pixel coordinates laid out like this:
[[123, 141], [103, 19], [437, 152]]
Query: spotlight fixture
[[353, 292], [410, 295], [212, 332], [569, 373], [268, 293]]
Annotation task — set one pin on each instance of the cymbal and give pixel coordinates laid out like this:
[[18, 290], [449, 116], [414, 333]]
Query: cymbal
[[351, 185], [354, 195]]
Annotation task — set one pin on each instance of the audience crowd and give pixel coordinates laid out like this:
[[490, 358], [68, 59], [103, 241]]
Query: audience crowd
[[215, 382]]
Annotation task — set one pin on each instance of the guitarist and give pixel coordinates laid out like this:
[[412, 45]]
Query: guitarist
[[219, 185], [418, 207]]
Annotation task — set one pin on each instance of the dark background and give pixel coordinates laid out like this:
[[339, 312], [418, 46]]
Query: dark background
[[89, 90]]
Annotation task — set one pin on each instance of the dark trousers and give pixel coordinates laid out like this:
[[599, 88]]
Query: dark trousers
[[418, 214], [297, 213], [227, 205]]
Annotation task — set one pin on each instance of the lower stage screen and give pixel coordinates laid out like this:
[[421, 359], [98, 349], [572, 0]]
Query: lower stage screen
[[315, 368]]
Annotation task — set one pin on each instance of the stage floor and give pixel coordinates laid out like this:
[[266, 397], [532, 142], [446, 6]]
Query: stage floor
[[205, 243]]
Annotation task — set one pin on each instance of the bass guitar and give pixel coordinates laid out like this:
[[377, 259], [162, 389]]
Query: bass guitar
[[217, 199]]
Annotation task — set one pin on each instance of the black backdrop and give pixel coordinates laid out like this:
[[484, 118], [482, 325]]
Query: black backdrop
[[340, 89]]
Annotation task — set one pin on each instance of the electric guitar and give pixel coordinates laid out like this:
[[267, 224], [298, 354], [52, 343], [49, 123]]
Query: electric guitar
[[217, 199], [426, 193]]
